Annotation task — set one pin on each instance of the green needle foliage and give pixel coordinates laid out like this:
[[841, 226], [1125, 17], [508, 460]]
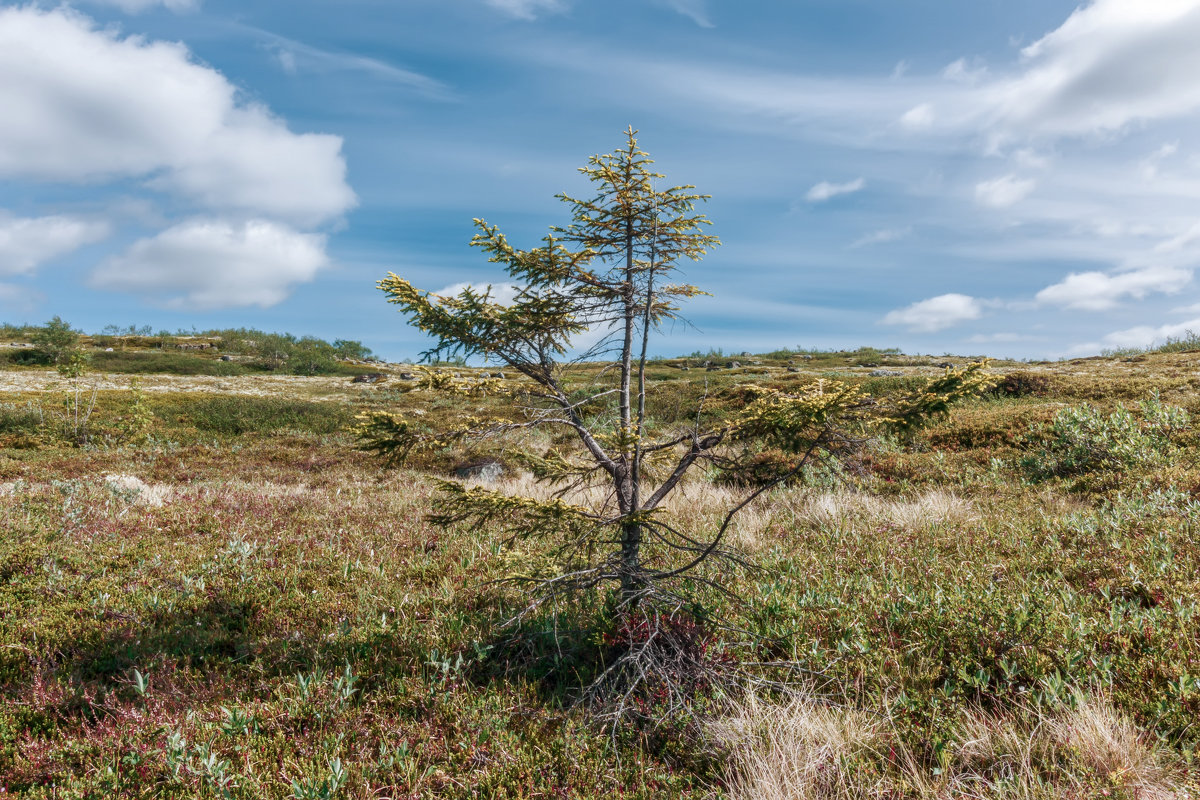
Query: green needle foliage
[[610, 277]]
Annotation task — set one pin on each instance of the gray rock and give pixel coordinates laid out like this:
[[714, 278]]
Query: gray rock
[[745, 354], [407, 376], [885, 373], [734, 365], [227, 358], [685, 368], [374, 377], [793, 369], [487, 471]]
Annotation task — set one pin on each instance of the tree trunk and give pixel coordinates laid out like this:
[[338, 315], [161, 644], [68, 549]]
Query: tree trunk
[[632, 580]]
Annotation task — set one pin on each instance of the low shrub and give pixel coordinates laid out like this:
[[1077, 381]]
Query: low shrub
[[1080, 439], [232, 415], [162, 363], [17, 419], [1022, 384]]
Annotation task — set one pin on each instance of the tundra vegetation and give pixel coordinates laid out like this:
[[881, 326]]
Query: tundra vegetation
[[217, 594]]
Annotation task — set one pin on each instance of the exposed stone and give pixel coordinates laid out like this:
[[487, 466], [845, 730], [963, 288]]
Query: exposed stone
[[885, 373], [734, 365], [486, 471], [227, 358], [407, 376], [374, 377]]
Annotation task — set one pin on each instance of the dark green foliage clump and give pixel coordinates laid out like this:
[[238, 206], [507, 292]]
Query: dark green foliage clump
[[231, 415]]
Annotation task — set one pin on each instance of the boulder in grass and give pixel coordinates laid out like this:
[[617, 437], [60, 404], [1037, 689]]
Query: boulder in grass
[[487, 471], [227, 358], [885, 373], [374, 377]]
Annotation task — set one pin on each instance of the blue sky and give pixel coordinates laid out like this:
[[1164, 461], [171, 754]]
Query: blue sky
[[1006, 177]]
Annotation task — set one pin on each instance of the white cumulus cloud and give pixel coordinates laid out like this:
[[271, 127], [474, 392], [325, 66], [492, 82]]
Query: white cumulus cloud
[[85, 104], [1100, 291], [216, 264], [936, 313], [1111, 63], [502, 293], [1146, 335], [27, 242], [825, 190], [1004, 191]]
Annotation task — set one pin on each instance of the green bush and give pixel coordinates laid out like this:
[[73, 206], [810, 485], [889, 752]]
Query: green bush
[[20, 419], [1081, 440], [157, 363]]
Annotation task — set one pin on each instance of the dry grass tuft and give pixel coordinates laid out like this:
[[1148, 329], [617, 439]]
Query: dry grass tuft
[[141, 492], [800, 751], [806, 750], [844, 509]]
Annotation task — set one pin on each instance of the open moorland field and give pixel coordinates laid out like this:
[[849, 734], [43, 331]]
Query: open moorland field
[[207, 591]]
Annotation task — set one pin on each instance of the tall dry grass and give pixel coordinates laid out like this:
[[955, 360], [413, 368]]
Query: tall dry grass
[[808, 750], [698, 506]]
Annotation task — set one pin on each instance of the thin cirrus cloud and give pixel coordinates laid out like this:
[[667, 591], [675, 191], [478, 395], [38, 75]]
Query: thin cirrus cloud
[[826, 191], [216, 264], [936, 313], [84, 104], [1004, 191], [695, 10], [138, 6], [882, 236], [526, 9], [295, 56]]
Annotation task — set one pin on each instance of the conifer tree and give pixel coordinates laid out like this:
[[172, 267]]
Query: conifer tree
[[610, 276]]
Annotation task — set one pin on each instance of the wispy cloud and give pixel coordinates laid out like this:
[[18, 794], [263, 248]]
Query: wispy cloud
[[825, 190], [695, 10], [1004, 191], [882, 236], [526, 9], [295, 56]]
